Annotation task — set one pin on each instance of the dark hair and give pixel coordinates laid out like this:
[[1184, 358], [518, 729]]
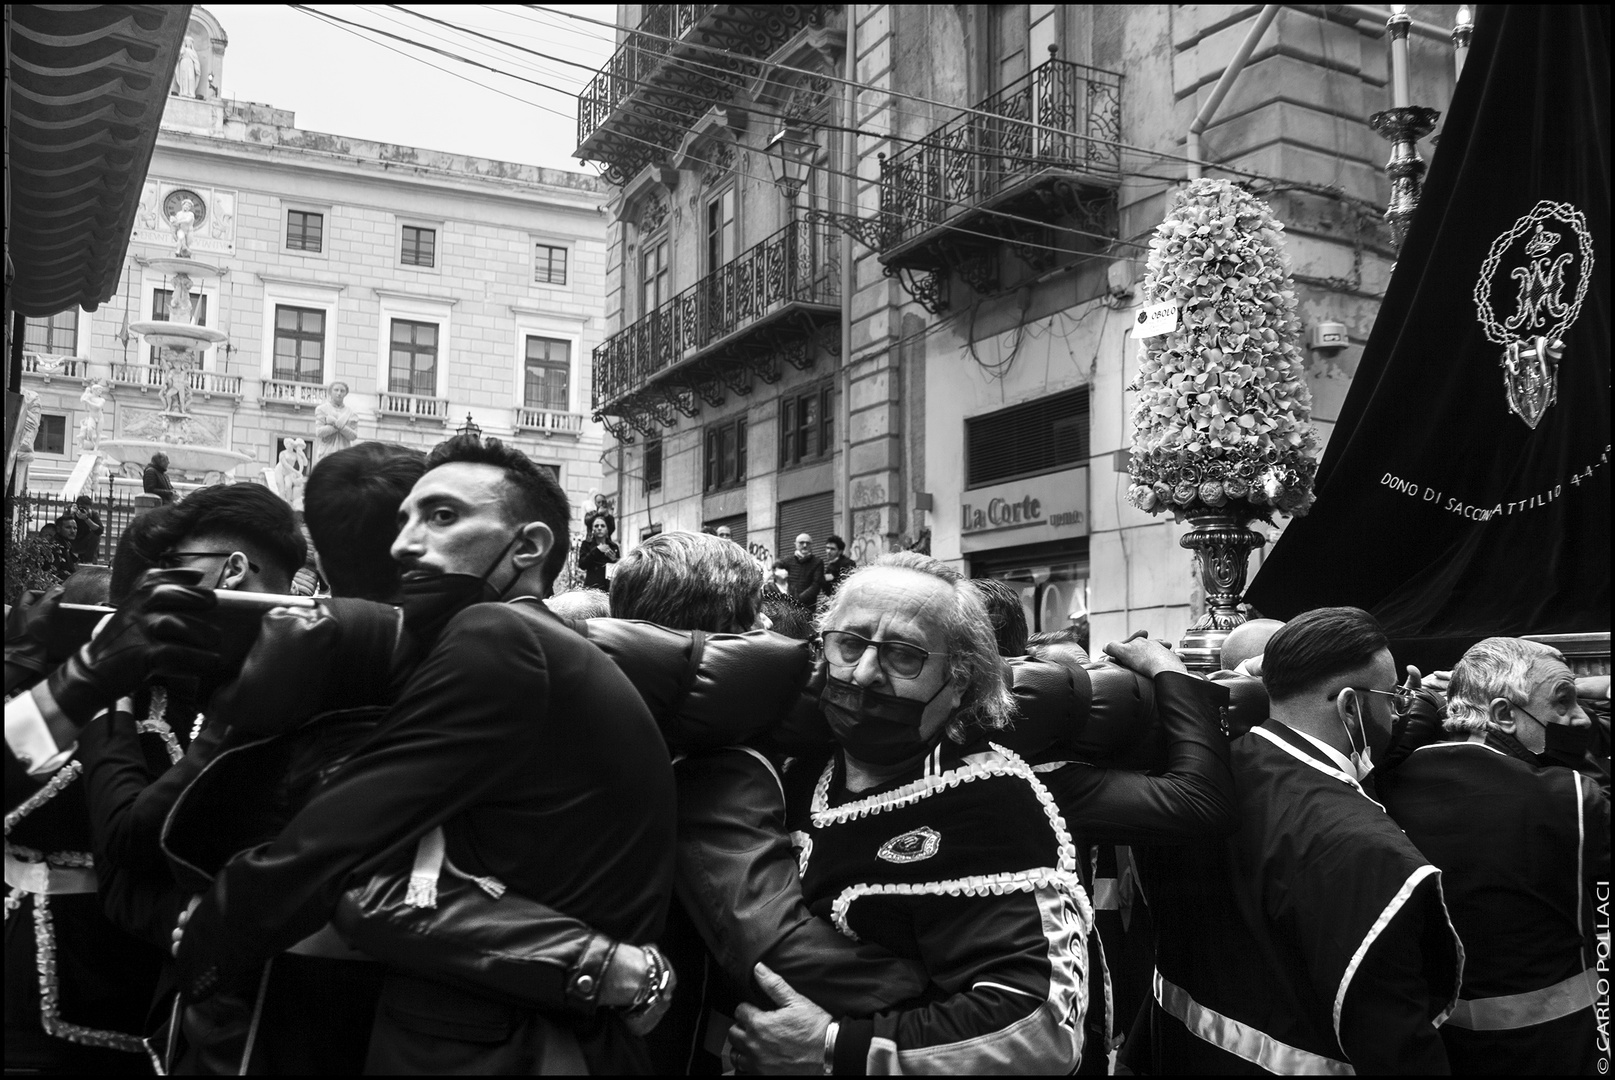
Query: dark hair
[[1003, 603], [688, 581], [249, 514], [83, 500], [350, 505], [837, 541], [787, 616], [144, 539], [536, 494], [1319, 644], [87, 585]]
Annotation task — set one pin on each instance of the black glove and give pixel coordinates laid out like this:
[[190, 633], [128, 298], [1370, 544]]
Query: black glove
[[160, 630], [31, 641]]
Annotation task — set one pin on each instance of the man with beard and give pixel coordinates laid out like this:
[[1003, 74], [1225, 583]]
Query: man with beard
[[520, 739]]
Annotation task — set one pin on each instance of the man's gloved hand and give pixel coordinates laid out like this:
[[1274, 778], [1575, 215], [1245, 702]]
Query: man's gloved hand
[[32, 643], [158, 631]]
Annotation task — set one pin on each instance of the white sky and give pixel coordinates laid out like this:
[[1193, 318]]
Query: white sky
[[339, 84]]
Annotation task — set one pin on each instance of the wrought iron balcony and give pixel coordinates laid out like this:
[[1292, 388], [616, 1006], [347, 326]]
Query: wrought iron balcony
[[686, 59], [1047, 151], [549, 421], [729, 328]]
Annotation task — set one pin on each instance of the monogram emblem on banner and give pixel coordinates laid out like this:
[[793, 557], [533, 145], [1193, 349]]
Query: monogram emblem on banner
[[912, 846], [1548, 256]]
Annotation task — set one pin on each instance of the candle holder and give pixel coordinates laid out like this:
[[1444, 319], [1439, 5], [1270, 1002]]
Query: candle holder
[[1403, 128]]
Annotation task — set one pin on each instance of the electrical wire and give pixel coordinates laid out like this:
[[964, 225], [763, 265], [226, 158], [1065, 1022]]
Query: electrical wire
[[955, 109], [355, 27]]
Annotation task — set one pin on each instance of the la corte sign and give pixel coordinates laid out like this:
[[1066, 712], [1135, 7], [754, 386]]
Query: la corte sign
[[1053, 506]]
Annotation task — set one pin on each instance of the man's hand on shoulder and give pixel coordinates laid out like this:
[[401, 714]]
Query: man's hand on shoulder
[[1144, 656]]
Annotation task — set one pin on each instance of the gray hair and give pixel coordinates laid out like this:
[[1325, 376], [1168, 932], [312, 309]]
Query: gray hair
[[688, 581], [580, 604], [967, 633], [1499, 667]]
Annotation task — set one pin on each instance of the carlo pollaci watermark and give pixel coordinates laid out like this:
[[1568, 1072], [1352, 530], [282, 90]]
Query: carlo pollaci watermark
[[1601, 1004]]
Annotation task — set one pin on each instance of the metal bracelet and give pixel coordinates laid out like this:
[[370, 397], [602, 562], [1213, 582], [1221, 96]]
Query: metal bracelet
[[830, 1034]]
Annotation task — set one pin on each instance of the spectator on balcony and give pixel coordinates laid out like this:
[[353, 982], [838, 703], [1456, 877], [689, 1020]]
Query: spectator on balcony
[[155, 480], [87, 546], [335, 425]]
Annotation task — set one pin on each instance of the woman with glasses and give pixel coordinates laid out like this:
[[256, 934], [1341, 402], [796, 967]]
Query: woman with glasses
[[917, 833]]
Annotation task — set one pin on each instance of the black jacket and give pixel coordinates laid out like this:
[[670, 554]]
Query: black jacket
[[545, 769], [806, 577]]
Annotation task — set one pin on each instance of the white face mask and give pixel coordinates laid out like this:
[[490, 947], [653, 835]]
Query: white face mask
[[1362, 759]]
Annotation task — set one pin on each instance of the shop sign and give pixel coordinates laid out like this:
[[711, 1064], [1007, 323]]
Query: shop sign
[[1031, 511]]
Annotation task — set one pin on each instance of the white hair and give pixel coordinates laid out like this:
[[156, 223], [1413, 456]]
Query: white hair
[[1499, 667]]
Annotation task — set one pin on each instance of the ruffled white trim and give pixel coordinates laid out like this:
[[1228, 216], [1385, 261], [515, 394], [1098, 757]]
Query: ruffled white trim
[[1065, 882], [1006, 763]]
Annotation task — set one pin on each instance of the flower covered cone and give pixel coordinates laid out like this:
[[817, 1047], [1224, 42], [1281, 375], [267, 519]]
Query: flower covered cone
[[1224, 412]]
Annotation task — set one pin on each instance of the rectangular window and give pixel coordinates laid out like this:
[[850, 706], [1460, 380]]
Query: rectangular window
[[721, 230], [305, 230], [549, 374], [653, 465], [1040, 436], [726, 454], [57, 335], [413, 369], [420, 246], [299, 344], [806, 426], [159, 311], [653, 274], [52, 437], [549, 265]]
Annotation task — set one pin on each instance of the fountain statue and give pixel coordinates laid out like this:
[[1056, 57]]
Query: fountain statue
[[192, 443]]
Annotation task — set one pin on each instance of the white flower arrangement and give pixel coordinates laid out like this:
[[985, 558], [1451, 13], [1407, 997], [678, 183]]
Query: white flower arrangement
[[1224, 412]]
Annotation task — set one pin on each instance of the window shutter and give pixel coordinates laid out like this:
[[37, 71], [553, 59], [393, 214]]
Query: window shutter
[[1038, 437], [813, 514]]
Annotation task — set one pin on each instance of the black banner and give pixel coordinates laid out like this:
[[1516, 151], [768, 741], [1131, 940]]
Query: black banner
[[1465, 490]]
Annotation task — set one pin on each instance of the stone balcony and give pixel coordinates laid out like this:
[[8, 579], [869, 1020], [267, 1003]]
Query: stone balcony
[[148, 378], [289, 394], [549, 421], [47, 368], [413, 407]]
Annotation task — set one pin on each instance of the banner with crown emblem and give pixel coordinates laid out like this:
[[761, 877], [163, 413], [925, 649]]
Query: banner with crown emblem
[[1465, 490]]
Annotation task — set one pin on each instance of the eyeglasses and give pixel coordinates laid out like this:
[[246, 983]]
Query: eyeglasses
[[1403, 697], [898, 659], [170, 560]]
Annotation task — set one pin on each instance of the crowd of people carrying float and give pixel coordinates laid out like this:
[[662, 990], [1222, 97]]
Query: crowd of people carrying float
[[812, 818]]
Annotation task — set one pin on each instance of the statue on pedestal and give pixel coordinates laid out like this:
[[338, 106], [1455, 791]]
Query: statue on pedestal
[[183, 222], [336, 426], [287, 477], [94, 400], [188, 73], [176, 391]]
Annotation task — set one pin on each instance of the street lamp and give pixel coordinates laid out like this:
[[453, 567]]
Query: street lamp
[[470, 428], [790, 159]]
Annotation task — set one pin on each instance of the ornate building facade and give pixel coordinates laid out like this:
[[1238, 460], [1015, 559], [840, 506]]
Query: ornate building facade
[[986, 179], [437, 288]]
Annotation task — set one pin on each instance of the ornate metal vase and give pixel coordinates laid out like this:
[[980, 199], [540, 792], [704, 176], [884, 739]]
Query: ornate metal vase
[[1223, 543]]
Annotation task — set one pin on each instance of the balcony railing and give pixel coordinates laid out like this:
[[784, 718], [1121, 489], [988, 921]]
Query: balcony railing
[[151, 377], [1059, 117], [290, 392], [796, 267], [549, 421], [635, 62], [48, 367], [414, 407], [686, 59]]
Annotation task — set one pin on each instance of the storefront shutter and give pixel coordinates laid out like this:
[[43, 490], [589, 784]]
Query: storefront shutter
[[814, 515]]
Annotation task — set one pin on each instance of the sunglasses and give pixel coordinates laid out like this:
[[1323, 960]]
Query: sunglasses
[[170, 560]]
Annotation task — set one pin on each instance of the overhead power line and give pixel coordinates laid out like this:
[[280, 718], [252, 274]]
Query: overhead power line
[[355, 27]]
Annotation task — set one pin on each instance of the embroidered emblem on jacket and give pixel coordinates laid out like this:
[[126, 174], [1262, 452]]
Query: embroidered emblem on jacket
[[911, 846]]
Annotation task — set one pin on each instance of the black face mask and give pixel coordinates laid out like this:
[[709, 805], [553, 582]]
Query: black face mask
[[881, 729], [430, 600]]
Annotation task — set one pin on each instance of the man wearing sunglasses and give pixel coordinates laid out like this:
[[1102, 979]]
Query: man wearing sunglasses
[[1516, 815], [1314, 939]]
